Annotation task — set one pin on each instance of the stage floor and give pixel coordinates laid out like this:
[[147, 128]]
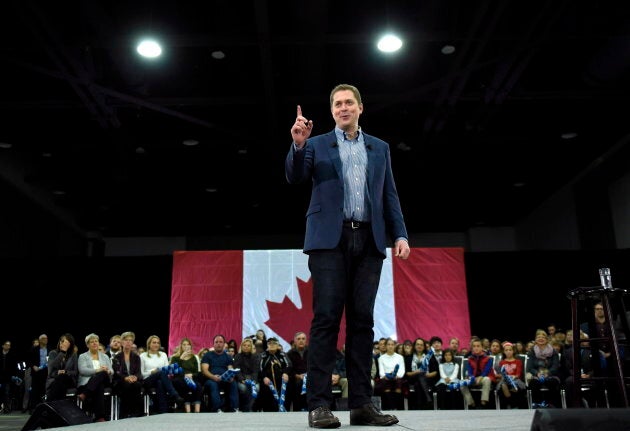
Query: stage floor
[[424, 420]]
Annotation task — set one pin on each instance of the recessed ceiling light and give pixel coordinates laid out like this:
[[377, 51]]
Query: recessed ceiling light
[[389, 43], [448, 49], [218, 55], [149, 48], [5, 145], [569, 135], [190, 142], [403, 147]]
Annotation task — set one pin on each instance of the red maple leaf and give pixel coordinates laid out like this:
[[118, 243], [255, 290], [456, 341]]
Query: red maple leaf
[[285, 318]]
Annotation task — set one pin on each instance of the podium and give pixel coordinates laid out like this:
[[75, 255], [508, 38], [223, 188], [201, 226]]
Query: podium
[[617, 335]]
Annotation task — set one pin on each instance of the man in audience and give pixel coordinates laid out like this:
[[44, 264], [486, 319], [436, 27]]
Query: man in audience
[[213, 364], [298, 355]]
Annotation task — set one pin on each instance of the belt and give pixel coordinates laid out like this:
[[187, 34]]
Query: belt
[[356, 224]]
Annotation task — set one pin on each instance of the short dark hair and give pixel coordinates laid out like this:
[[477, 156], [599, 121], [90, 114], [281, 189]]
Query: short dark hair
[[434, 339]]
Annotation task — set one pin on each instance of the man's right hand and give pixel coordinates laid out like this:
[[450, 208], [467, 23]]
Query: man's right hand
[[301, 129]]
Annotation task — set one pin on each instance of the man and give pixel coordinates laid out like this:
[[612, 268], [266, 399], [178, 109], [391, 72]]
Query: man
[[213, 365], [115, 346], [298, 355], [453, 344], [38, 362], [354, 206], [8, 369]]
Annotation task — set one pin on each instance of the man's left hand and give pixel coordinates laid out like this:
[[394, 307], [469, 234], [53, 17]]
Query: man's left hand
[[401, 249]]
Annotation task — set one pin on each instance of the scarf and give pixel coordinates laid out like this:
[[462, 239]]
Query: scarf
[[543, 353]]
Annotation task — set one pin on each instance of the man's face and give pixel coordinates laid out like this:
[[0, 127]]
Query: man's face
[[345, 109], [454, 345], [382, 346], [599, 311], [219, 344]]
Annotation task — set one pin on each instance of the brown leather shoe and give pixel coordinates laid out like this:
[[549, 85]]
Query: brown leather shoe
[[322, 417], [370, 415]]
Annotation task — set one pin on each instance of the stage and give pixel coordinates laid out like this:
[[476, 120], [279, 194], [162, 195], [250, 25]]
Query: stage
[[421, 420]]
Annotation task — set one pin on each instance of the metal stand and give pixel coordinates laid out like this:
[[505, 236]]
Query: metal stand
[[616, 374]]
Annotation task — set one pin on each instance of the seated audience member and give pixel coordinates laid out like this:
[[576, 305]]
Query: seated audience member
[[95, 371], [543, 367], [391, 368], [449, 376], [62, 369], [480, 372], [248, 362], [298, 357], [592, 397], [188, 384], [416, 373], [155, 375], [213, 364], [513, 389], [274, 365], [339, 378], [127, 380]]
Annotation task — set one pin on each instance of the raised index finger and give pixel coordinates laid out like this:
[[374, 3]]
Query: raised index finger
[[299, 111]]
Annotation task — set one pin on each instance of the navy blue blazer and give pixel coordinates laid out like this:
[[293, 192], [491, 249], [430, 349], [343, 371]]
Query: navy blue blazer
[[319, 161]]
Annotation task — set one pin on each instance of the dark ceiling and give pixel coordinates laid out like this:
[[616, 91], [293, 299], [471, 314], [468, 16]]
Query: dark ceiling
[[96, 133]]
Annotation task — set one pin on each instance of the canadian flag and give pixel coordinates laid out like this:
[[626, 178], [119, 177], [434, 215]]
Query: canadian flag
[[235, 293]]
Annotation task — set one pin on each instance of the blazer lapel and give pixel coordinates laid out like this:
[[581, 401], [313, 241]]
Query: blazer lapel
[[333, 153]]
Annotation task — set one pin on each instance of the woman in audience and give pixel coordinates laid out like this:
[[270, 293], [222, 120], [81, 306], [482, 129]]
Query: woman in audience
[[416, 373], [62, 369], [249, 363], [391, 368], [154, 365], [187, 384], [543, 367], [95, 371], [127, 379]]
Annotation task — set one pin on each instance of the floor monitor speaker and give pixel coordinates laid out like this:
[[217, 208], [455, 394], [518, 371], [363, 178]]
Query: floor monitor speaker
[[55, 414], [581, 420]]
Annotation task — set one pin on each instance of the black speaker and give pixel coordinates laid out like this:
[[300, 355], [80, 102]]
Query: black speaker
[[56, 414], [581, 420]]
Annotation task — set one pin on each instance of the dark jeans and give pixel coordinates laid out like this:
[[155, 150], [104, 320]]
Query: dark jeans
[[59, 387], [347, 275], [94, 390]]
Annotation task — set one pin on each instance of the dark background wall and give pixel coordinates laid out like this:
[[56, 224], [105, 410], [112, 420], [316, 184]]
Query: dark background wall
[[510, 294]]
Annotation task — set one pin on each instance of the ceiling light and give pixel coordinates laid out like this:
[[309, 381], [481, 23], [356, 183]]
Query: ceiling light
[[389, 43], [149, 48], [218, 55], [190, 142], [569, 135], [5, 145], [403, 147], [448, 49]]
